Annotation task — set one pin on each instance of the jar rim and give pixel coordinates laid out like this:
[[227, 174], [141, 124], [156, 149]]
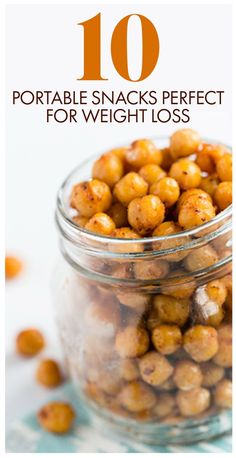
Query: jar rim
[[62, 215]]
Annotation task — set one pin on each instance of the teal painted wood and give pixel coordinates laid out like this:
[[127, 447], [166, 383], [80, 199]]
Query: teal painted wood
[[26, 436]]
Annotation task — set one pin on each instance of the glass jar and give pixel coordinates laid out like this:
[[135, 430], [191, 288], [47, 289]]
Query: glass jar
[[145, 326]]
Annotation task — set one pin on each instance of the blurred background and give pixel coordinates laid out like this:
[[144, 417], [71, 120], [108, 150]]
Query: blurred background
[[44, 52]]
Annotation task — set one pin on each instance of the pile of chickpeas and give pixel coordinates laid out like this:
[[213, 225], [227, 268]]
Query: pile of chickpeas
[[162, 353]]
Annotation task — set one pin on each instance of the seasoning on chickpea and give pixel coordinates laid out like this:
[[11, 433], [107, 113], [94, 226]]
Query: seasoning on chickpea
[[90, 197], [143, 152], [224, 167], [29, 342], [223, 394], [145, 213], [131, 342], [193, 402], [108, 168], [101, 223], [194, 212], [166, 338], [13, 267], [155, 368], [56, 417], [186, 173], [223, 195], [184, 142], [151, 173], [136, 397], [201, 342], [197, 193], [118, 213], [187, 375], [49, 373]]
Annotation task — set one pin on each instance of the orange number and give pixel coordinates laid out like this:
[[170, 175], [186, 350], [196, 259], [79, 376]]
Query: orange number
[[92, 49]]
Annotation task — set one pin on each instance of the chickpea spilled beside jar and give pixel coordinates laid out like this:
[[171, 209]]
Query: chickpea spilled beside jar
[[144, 298]]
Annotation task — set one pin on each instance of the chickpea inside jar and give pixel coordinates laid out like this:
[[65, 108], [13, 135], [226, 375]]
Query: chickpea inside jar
[[143, 291]]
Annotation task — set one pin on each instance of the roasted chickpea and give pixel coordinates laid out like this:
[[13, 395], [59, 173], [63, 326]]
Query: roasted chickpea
[[223, 195], [184, 142], [193, 402], [145, 213], [108, 168], [128, 369], [109, 382], [201, 258], [90, 197], [180, 289], [80, 220], [212, 374], [126, 233], [166, 338], [208, 155], [187, 375], [165, 229], [171, 310], [168, 385], [119, 152], [201, 342], [100, 223], [223, 394], [186, 173], [123, 270], [143, 152], [131, 342], [49, 373], [151, 270], [131, 186], [198, 194], [167, 189], [134, 300], [165, 404], [136, 397], [154, 368], [227, 280], [194, 212], [224, 167], [209, 184], [56, 417], [102, 319], [216, 291], [13, 267], [29, 342], [151, 173], [223, 357], [118, 213], [209, 300]]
